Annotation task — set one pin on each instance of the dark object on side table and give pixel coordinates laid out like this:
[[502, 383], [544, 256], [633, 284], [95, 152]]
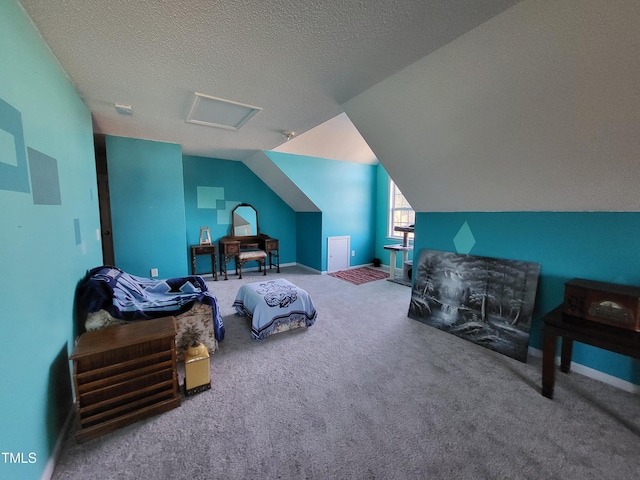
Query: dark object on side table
[[608, 303]]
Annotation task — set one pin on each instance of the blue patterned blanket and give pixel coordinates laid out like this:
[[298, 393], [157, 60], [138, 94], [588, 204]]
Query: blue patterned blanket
[[273, 303], [128, 297]]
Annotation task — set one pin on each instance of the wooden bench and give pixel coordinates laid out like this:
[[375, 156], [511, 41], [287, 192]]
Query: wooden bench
[[245, 256]]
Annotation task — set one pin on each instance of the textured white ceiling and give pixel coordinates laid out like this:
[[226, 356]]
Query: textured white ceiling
[[298, 60]]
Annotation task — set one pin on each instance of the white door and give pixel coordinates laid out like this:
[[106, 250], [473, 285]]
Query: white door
[[338, 253]]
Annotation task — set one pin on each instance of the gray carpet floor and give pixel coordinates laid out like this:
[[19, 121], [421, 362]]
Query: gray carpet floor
[[367, 393]]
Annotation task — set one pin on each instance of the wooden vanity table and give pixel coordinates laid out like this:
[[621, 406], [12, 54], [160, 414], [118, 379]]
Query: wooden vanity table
[[272, 247], [246, 243]]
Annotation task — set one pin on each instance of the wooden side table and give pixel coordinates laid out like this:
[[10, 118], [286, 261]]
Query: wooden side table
[[569, 329], [204, 250], [124, 374]]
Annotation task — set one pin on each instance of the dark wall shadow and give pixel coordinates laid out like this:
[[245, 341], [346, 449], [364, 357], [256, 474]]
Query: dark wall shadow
[[59, 397]]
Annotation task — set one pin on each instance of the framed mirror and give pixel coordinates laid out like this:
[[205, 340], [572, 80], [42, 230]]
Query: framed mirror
[[244, 220]]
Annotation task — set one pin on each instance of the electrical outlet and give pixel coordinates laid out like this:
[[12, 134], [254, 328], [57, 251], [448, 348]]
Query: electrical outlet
[[154, 272], [353, 253]]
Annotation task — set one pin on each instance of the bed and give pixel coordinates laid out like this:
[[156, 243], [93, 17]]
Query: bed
[[108, 296], [274, 306]]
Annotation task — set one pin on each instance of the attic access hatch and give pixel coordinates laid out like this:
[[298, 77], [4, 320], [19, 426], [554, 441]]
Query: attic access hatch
[[220, 113]]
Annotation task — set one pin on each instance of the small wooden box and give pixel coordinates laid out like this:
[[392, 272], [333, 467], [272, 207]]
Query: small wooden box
[[608, 303]]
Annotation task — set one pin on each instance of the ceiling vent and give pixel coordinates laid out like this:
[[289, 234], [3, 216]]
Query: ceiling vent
[[216, 112]]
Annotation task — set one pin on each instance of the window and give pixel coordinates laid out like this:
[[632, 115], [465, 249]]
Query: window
[[401, 214]]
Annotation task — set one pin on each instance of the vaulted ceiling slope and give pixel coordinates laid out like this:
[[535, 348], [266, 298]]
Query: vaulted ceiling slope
[[297, 60], [535, 110]]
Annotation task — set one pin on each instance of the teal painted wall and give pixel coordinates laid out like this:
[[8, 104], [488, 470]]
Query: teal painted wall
[[212, 187], [345, 192], [309, 235], [48, 223], [147, 206], [382, 220], [600, 246]]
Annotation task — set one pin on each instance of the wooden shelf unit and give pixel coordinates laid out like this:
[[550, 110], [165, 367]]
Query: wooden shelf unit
[[124, 374]]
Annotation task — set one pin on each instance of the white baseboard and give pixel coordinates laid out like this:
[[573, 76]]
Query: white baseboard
[[595, 374], [325, 272], [253, 269], [307, 268], [51, 463], [351, 267]]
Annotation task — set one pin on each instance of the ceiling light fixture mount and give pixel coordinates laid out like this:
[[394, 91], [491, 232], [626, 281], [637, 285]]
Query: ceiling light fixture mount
[[124, 109], [288, 134]]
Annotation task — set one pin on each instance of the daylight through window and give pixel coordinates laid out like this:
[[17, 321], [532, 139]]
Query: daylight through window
[[401, 214]]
